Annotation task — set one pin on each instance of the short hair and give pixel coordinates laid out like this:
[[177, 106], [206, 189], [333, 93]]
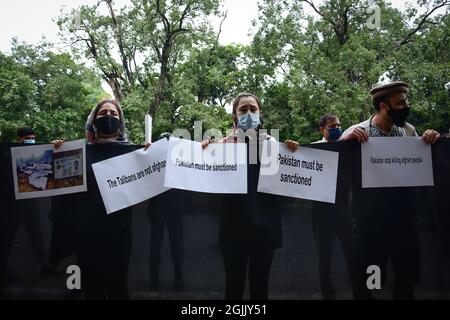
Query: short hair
[[324, 119], [378, 100], [25, 131]]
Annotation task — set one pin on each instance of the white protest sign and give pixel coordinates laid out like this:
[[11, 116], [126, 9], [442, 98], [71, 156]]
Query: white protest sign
[[307, 173], [396, 162], [133, 177], [220, 168], [42, 170]]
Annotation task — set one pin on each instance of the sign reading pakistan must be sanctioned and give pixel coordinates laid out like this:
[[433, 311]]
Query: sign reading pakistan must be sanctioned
[[220, 168], [307, 173]]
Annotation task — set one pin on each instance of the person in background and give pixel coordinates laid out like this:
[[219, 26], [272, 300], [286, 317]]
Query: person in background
[[166, 211], [331, 220], [26, 212]]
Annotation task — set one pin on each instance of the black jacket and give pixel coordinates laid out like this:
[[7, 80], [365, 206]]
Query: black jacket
[[244, 215]]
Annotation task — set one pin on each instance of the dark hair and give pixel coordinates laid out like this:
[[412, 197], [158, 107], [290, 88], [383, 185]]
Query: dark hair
[[25, 131], [103, 102], [90, 132], [378, 100], [324, 119], [166, 135], [242, 95]]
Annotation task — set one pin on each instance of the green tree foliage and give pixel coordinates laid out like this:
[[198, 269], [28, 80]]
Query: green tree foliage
[[306, 58], [136, 49], [17, 92], [329, 62], [47, 91]]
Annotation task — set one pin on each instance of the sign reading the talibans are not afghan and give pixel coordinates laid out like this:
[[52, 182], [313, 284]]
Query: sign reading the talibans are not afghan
[[133, 177]]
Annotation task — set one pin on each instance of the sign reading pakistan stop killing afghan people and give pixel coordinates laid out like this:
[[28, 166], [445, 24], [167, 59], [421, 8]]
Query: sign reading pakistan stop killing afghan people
[[396, 162]]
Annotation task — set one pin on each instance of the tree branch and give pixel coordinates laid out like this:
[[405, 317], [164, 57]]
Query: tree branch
[[311, 4], [163, 17], [420, 25]]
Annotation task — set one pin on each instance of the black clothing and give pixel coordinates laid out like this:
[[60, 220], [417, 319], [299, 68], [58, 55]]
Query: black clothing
[[250, 232], [166, 211], [101, 242]]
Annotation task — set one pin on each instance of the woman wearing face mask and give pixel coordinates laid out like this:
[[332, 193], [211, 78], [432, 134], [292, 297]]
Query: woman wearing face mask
[[250, 224], [101, 242], [106, 124]]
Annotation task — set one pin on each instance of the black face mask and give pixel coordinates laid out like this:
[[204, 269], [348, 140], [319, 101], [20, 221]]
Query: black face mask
[[398, 116], [107, 124]]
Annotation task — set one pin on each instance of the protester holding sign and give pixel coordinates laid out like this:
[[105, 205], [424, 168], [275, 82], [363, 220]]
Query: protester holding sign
[[103, 242], [330, 128], [331, 220], [250, 225], [384, 225], [391, 111]]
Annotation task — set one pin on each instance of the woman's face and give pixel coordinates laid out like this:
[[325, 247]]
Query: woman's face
[[107, 121], [106, 109], [246, 105]]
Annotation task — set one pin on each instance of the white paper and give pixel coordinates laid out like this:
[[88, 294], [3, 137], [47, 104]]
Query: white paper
[[396, 162], [148, 128], [131, 178], [306, 173], [42, 171], [220, 168]]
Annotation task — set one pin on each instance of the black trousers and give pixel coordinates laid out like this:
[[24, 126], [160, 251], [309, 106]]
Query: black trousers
[[103, 258], [24, 212], [5, 246], [253, 256], [327, 225], [400, 246], [159, 221]]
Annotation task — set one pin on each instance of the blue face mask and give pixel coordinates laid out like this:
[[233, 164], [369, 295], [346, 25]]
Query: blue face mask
[[249, 121], [334, 134], [29, 141]]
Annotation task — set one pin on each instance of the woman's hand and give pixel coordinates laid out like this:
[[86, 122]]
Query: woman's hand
[[291, 145], [57, 143]]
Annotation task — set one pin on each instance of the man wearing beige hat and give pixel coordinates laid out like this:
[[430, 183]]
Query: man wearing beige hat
[[391, 111], [385, 217]]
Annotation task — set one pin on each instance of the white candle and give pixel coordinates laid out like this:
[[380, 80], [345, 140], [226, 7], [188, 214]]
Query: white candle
[[148, 128]]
